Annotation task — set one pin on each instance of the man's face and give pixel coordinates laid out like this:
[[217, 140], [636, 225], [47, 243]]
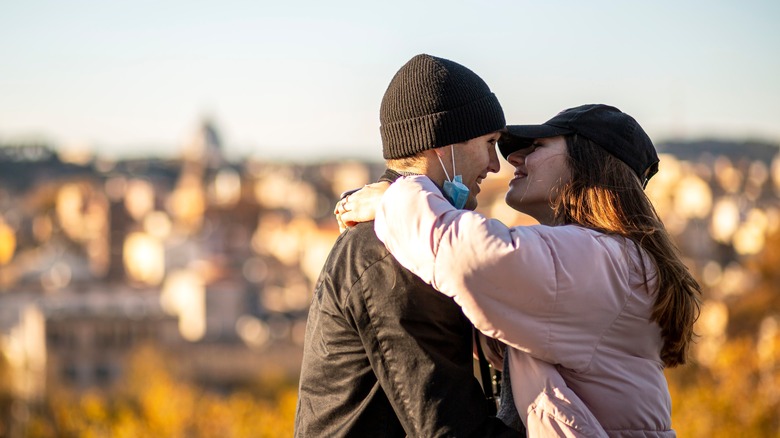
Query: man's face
[[474, 159]]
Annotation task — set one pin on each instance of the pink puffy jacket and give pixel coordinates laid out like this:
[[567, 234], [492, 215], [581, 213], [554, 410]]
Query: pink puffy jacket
[[569, 296]]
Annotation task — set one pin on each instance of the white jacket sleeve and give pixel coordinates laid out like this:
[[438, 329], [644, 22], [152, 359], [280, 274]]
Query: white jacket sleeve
[[521, 285]]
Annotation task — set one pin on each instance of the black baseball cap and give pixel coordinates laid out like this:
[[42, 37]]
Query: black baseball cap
[[615, 131]]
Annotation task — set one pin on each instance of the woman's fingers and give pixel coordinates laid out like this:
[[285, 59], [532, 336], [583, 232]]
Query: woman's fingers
[[359, 206]]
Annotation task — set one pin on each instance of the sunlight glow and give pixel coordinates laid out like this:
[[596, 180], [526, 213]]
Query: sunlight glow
[[144, 258], [184, 295], [693, 198], [725, 220]]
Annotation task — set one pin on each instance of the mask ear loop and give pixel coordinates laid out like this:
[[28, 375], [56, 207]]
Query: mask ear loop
[[444, 168], [452, 153]]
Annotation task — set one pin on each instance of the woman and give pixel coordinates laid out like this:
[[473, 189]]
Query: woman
[[597, 289]]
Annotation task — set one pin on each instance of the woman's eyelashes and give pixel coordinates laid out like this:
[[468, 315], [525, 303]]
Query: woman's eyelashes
[[533, 149]]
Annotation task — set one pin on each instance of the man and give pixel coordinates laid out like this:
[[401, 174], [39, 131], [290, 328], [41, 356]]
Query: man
[[385, 354]]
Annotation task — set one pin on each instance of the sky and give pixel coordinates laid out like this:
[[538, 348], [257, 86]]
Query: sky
[[304, 79]]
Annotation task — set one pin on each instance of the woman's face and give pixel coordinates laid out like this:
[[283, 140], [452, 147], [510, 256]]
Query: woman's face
[[540, 171]]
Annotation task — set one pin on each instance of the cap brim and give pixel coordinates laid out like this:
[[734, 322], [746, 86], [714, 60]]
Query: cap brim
[[519, 137]]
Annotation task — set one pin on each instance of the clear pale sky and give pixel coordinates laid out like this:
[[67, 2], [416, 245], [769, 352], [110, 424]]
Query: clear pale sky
[[304, 79]]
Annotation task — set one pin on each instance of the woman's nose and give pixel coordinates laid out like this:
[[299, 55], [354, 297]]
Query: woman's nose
[[515, 158]]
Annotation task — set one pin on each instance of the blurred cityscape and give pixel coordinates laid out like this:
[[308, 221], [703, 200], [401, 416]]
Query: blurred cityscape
[[214, 261]]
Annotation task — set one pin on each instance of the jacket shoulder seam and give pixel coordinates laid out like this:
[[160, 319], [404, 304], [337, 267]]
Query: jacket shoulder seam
[[626, 301], [548, 323]]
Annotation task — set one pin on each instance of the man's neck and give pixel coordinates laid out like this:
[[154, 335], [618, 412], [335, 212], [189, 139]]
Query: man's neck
[[426, 166]]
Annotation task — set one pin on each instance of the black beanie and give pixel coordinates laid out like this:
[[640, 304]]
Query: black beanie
[[433, 102]]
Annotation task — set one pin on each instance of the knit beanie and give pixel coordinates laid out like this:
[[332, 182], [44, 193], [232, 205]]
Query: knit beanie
[[433, 102]]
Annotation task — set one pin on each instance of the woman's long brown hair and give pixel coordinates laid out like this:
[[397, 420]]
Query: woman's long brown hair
[[606, 195]]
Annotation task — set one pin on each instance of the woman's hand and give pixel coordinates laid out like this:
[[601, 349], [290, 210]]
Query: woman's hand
[[359, 206]]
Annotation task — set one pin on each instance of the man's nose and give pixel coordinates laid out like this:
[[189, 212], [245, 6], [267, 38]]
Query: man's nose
[[494, 165]]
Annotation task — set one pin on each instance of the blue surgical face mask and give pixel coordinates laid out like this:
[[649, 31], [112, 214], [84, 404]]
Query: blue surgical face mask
[[454, 190]]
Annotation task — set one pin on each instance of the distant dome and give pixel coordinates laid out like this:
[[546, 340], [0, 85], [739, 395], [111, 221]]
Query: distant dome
[[205, 145], [210, 135]]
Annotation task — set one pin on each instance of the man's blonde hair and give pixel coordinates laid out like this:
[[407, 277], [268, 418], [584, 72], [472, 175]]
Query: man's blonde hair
[[416, 162]]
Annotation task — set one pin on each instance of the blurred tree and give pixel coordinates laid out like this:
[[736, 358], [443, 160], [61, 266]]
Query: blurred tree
[[729, 399], [152, 403], [6, 396], [738, 393], [747, 311], [165, 405]]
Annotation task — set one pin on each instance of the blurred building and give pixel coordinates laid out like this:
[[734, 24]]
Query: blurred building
[[210, 259], [23, 342], [90, 334]]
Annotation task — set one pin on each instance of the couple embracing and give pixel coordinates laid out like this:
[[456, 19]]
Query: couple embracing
[[583, 312]]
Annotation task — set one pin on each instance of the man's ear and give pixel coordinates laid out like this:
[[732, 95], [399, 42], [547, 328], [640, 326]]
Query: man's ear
[[433, 166], [432, 157], [438, 151], [432, 153]]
